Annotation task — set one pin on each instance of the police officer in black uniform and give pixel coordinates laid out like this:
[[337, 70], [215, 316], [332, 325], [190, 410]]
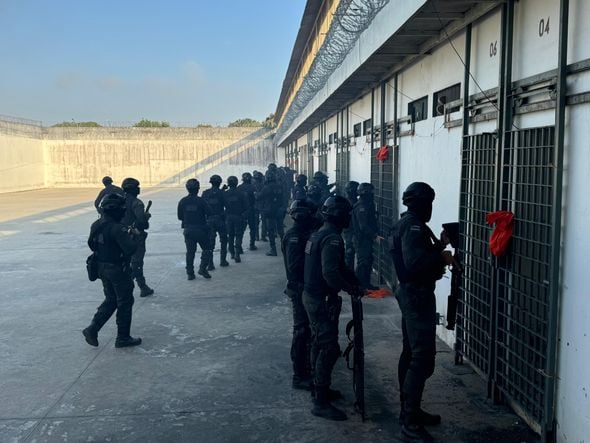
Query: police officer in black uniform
[[258, 178], [419, 262], [293, 247], [271, 201], [347, 234], [320, 179], [364, 227], [193, 212], [300, 190], [314, 195], [114, 244], [216, 200], [109, 188], [236, 212], [136, 217], [325, 276], [248, 189]]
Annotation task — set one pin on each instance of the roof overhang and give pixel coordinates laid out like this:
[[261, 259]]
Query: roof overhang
[[310, 15], [428, 28]]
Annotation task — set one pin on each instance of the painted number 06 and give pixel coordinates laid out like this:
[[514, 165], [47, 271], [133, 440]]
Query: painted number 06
[[544, 27], [493, 48]]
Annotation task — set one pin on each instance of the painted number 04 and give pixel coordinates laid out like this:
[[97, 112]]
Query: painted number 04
[[544, 26]]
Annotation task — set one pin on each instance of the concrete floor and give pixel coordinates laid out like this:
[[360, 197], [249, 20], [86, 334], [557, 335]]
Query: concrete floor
[[214, 364]]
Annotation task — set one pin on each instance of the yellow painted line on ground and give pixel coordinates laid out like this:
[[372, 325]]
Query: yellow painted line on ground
[[65, 215], [7, 233]]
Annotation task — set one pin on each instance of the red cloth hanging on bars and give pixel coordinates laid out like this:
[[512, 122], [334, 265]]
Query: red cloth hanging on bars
[[383, 153], [500, 238]]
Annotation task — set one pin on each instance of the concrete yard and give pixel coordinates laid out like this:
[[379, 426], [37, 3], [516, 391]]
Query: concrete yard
[[214, 364]]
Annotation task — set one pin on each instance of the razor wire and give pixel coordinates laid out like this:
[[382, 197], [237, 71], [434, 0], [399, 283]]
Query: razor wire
[[351, 19]]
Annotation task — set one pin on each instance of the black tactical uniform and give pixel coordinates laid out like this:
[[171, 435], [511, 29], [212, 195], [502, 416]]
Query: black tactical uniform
[[271, 201], [419, 263], [364, 227], [321, 180], [216, 200], [258, 178], [299, 190], [325, 276], [136, 217], [248, 188], [236, 211], [282, 180], [114, 244], [193, 212], [293, 247], [347, 234], [109, 188]]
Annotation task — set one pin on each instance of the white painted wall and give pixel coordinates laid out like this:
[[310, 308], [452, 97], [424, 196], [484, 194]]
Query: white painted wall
[[433, 155], [22, 161], [573, 398]]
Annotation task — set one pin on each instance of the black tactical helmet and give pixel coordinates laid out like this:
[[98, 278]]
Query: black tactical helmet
[[130, 185], [258, 176], [418, 192], [314, 190], [192, 184], [106, 180], [215, 180], [301, 179], [272, 166], [113, 205], [232, 181], [319, 176], [365, 188], [246, 177], [336, 210], [270, 175], [351, 186], [301, 210]]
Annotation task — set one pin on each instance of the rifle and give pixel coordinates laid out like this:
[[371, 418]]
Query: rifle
[[452, 232], [357, 347]]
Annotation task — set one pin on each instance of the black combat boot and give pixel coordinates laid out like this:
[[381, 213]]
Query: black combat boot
[[190, 275], [237, 258], [210, 267], [223, 263], [272, 252], [253, 247], [422, 417], [333, 394], [302, 382], [125, 342], [203, 272], [239, 250], [91, 335], [145, 291], [323, 408]]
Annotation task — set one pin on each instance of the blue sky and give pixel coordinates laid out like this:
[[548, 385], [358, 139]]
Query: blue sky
[[182, 61]]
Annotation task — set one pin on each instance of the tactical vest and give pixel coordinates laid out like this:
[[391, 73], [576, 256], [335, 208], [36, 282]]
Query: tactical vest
[[314, 282], [193, 210]]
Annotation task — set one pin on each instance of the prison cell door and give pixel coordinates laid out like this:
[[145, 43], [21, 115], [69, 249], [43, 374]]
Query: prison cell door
[[504, 310], [382, 179]]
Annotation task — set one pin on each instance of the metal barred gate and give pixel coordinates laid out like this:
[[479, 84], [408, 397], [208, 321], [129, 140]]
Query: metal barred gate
[[503, 314], [382, 180]]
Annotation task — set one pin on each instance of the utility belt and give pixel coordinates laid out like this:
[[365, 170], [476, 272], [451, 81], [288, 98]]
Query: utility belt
[[123, 266]]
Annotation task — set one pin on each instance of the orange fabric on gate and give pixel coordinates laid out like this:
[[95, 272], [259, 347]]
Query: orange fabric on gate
[[502, 233], [383, 153], [379, 293]]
